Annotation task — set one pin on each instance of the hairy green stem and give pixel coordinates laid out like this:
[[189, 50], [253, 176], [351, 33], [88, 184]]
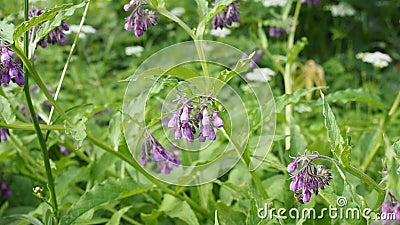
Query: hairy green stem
[[26, 126], [288, 74], [369, 181], [152, 179], [46, 159]]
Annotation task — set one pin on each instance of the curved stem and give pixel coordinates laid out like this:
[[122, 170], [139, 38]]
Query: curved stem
[[288, 74], [46, 160]]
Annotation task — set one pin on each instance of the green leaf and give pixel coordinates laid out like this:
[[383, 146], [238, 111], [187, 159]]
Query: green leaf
[[296, 49], [182, 72], [298, 142], [202, 7], [176, 208], [28, 218], [241, 66], [228, 215], [6, 32], [6, 113], [262, 37], [359, 95], [115, 130], [292, 98], [115, 219], [77, 130], [338, 146], [108, 191]]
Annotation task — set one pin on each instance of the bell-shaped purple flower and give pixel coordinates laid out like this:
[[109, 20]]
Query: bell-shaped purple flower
[[310, 2], [277, 31], [5, 191], [3, 134], [218, 122], [293, 165], [140, 19], [226, 16], [158, 154], [309, 177], [10, 67], [207, 129]]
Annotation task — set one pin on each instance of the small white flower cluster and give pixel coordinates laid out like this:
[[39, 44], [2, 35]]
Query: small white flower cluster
[[260, 74], [220, 32], [377, 59], [271, 3], [134, 50], [86, 29], [342, 9]]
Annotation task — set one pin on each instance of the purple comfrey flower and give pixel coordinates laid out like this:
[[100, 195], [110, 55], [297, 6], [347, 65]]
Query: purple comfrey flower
[[164, 159], [140, 19], [277, 31], [390, 210], [206, 130], [10, 67], [3, 134], [5, 191], [64, 150], [310, 2], [309, 177], [55, 36], [226, 16], [182, 123]]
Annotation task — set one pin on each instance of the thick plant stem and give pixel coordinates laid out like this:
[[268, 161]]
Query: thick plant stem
[[288, 75], [381, 130], [26, 126], [46, 159]]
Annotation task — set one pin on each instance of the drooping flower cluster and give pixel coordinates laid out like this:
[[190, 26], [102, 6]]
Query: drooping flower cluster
[[309, 177], [5, 191], [10, 67], [152, 148], [310, 2], [199, 114], [277, 31], [390, 210], [226, 16], [55, 36], [140, 19], [3, 134]]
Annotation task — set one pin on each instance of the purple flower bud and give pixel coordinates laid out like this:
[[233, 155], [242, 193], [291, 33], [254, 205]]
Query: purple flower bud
[[226, 16], [188, 132], [3, 134], [5, 77], [64, 26], [206, 129], [218, 122], [306, 195], [65, 150], [177, 133], [140, 19], [293, 165], [185, 114], [5, 191]]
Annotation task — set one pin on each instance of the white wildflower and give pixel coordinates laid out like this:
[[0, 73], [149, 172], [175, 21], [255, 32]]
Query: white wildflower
[[134, 50], [86, 29], [377, 59], [220, 32], [271, 3], [178, 11], [342, 9], [260, 74]]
